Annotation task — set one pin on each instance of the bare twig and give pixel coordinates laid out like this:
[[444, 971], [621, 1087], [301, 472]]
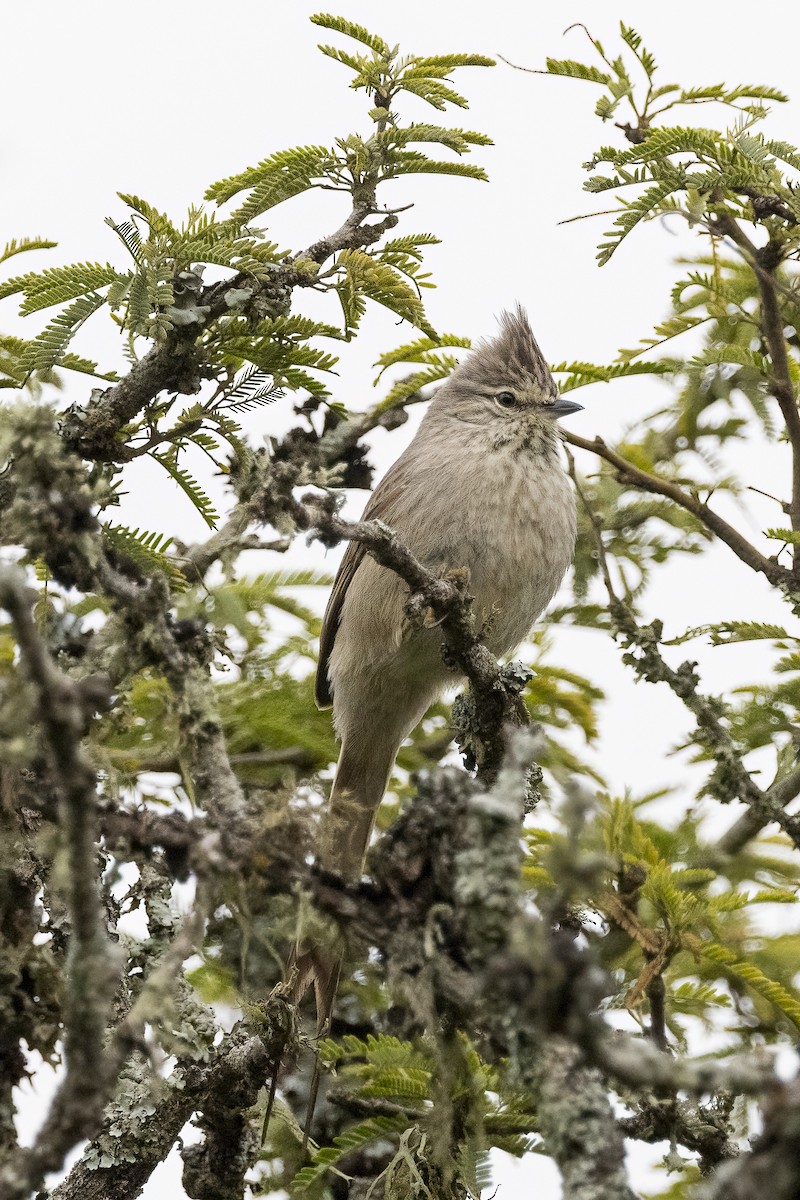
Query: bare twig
[[731, 778], [764, 262], [627, 473]]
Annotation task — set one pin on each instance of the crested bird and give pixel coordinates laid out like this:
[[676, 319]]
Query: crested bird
[[480, 486]]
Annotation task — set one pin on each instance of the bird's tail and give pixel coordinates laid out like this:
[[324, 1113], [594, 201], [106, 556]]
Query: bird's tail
[[361, 777]]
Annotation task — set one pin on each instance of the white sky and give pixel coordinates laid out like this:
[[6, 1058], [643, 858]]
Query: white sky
[[164, 97]]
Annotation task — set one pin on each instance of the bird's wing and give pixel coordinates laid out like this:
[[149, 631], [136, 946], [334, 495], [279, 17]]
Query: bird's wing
[[382, 505], [353, 556]]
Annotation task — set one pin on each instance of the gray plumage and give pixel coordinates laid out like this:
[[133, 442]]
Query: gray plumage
[[480, 486]]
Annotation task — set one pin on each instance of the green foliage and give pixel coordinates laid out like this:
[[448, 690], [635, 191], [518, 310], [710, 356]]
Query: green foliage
[[307, 1181], [377, 280], [59, 284], [21, 245], [253, 351], [49, 348], [147, 550], [386, 75], [189, 485], [664, 903], [387, 1069], [427, 351], [275, 179], [581, 374], [683, 170]]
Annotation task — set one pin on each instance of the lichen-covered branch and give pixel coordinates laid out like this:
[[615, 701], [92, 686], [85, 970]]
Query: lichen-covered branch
[[704, 1129], [444, 906], [65, 707], [770, 1169], [731, 779], [578, 1125], [231, 1073], [175, 365]]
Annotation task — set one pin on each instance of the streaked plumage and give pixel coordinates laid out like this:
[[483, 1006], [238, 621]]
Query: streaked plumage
[[482, 486]]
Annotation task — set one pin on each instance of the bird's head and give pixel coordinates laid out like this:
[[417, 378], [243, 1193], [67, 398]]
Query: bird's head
[[505, 386]]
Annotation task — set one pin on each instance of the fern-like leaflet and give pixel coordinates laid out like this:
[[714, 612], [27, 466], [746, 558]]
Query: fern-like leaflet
[[148, 550], [185, 481]]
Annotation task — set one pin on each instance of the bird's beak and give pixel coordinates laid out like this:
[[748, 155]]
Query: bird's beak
[[563, 407]]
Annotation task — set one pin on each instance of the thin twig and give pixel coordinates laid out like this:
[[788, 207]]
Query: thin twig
[[732, 778], [772, 328], [627, 472]]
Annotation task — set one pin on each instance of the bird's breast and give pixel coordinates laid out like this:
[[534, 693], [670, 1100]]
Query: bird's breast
[[510, 519]]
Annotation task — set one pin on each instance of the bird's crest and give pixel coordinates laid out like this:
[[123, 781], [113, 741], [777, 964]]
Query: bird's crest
[[513, 355]]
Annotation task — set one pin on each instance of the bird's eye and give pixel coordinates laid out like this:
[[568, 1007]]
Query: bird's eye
[[506, 399]]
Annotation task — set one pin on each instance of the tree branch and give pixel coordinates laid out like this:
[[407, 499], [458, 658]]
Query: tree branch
[[93, 430], [764, 262], [770, 1169], [731, 778], [65, 707], [626, 472], [578, 1125], [782, 792], [235, 1070]]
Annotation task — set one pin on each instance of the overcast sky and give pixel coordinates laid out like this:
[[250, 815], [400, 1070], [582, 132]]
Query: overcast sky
[[164, 97]]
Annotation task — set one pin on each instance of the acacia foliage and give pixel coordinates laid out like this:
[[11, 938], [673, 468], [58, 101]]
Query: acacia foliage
[[204, 745]]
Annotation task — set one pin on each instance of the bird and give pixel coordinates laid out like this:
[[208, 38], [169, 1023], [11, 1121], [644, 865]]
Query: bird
[[481, 486]]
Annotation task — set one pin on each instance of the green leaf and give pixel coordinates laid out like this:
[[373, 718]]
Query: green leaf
[[159, 223], [352, 30], [433, 91], [632, 213], [190, 486], [632, 39], [148, 550], [275, 179], [449, 62], [747, 972], [21, 245], [665, 332], [130, 237], [410, 162], [789, 536], [727, 632], [576, 70], [581, 374], [214, 983], [49, 347], [56, 285], [418, 351], [365, 276], [359, 1135]]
